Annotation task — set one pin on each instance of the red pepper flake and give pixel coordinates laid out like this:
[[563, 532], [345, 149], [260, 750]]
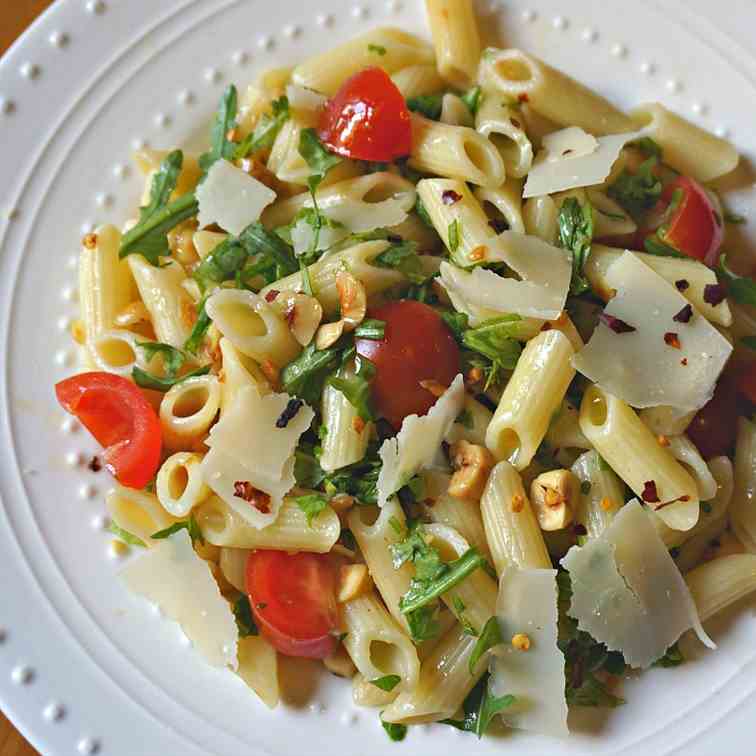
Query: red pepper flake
[[684, 362], [271, 295], [670, 339], [515, 123], [650, 494], [394, 239], [579, 530], [682, 285], [685, 497], [617, 325], [546, 326], [290, 315], [523, 97], [567, 152], [94, 464], [499, 225], [684, 315], [243, 489], [290, 411], [714, 294], [450, 197]]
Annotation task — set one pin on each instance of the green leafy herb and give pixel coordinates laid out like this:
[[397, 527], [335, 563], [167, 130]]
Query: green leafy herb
[[267, 129], [649, 148], [640, 191], [359, 479], [494, 340], [312, 505], [267, 248], [377, 49], [356, 388], [480, 707], [387, 682], [655, 246], [423, 213], [317, 157], [306, 375], [427, 105], [585, 487], [734, 218], [156, 383], [159, 216], [672, 658], [423, 623], [396, 526], [466, 419], [576, 234], [458, 323], [741, 288], [200, 329], [459, 611], [244, 619], [125, 536], [307, 471], [749, 341], [190, 525], [370, 328], [222, 264], [397, 732], [404, 258], [454, 234], [172, 358], [473, 99], [490, 636], [221, 147]]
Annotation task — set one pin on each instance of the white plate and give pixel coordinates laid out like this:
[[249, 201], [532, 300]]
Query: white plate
[[84, 666]]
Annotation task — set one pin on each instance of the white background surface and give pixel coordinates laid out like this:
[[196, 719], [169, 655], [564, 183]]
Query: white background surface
[[84, 666]]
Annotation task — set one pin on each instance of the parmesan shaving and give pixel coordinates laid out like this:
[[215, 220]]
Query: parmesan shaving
[[527, 604], [302, 98], [414, 448], [642, 367], [231, 198], [627, 591], [180, 583]]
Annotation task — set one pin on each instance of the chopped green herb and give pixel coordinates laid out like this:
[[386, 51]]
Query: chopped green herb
[[307, 470], [453, 235], [396, 526], [347, 540], [458, 323], [654, 245], [734, 218], [356, 388], [146, 380], [490, 636], [423, 624], [387, 682], [427, 105], [377, 49], [372, 329], [317, 157], [465, 419], [312, 505], [200, 329], [222, 264], [172, 358], [637, 192], [244, 618], [672, 658], [473, 99], [493, 339], [423, 213], [221, 147], [585, 487], [267, 129], [480, 707], [190, 525], [749, 341], [306, 375], [397, 732], [404, 258], [649, 148], [359, 479], [741, 288], [125, 536], [576, 234]]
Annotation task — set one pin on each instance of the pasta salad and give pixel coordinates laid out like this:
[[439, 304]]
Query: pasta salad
[[432, 367]]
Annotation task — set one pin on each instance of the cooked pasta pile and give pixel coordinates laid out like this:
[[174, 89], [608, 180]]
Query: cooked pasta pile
[[432, 367]]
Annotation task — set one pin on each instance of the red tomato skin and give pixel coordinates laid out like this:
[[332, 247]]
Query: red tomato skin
[[417, 346], [714, 427], [694, 229], [116, 413], [293, 598], [367, 119]]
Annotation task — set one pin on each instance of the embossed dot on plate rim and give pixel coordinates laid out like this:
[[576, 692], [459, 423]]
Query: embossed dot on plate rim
[[96, 6], [674, 85], [589, 35], [619, 50], [64, 358], [103, 199], [213, 75], [87, 491], [240, 57], [360, 11], [3, 635], [68, 293], [74, 459], [393, 6], [30, 70], [54, 712], [292, 31], [64, 323], [186, 97], [139, 144], [560, 23], [265, 42], [69, 425], [121, 170], [7, 107], [529, 15], [59, 39], [22, 674], [325, 19], [647, 67], [88, 745]]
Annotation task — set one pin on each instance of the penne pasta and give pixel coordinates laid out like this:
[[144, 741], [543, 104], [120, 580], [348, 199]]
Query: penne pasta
[[179, 485], [187, 411], [501, 123], [601, 493], [455, 37]]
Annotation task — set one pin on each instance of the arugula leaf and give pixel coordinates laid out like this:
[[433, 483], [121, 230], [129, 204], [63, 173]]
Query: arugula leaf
[[190, 525], [397, 732], [222, 264], [415, 548], [312, 505], [125, 536], [200, 329], [423, 213], [649, 148], [172, 358], [459, 609], [457, 322], [221, 147], [266, 131], [377, 49], [741, 288], [159, 215], [359, 479], [576, 234], [307, 471], [372, 329], [749, 341], [156, 383], [493, 340], [356, 388], [453, 234], [306, 375], [480, 707], [317, 157], [387, 682], [245, 621], [423, 624], [490, 636], [637, 192], [655, 246], [261, 244], [672, 657], [465, 419], [427, 105], [473, 99], [404, 258]]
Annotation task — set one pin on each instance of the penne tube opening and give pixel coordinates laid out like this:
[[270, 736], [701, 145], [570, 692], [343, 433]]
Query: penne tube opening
[[180, 485], [187, 411], [116, 352]]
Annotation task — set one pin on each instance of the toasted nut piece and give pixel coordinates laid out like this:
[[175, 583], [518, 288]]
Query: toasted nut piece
[[352, 298], [354, 581], [521, 642], [554, 494], [341, 502], [329, 334], [270, 371], [436, 388], [303, 314], [358, 424], [662, 440], [340, 663], [518, 503], [89, 241], [472, 464]]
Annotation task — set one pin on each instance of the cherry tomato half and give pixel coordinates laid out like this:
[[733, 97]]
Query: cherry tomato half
[[714, 427], [417, 346], [367, 119], [116, 413], [293, 598]]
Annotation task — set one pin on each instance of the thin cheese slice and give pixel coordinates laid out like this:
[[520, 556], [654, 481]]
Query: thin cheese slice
[[414, 448], [545, 270], [231, 198], [643, 366], [172, 576], [567, 161], [627, 591], [527, 604], [302, 98]]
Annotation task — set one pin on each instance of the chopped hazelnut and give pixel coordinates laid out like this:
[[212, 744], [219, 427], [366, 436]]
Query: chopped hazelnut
[[553, 495], [472, 464]]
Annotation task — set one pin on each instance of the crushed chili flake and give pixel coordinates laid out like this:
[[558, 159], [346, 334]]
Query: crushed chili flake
[[684, 315], [290, 315], [517, 503], [671, 339], [685, 497], [662, 440], [478, 253], [523, 97], [94, 464], [293, 406], [579, 529], [714, 294], [499, 225], [546, 326], [684, 362], [450, 197], [567, 152], [682, 284], [394, 239], [358, 424], [243, 489], [617, 325], [515, 123], [90, 241], [271, 295], [474, 375], [650, 494]]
